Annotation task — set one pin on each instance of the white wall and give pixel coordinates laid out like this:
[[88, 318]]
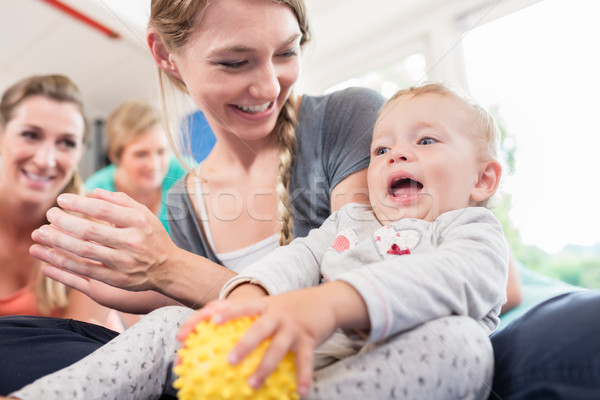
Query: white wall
[[351, 38]]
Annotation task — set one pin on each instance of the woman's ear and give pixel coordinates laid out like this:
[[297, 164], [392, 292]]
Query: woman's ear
[[161, 55], [113, 159], [488, 181]]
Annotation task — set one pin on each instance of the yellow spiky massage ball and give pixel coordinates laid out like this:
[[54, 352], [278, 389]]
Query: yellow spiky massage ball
[[205, 373]]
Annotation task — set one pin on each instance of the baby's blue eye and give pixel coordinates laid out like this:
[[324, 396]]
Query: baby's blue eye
[[381, 150], [426, 141]]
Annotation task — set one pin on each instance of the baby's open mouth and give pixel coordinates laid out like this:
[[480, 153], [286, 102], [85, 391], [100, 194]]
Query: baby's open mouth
[[404, 187]]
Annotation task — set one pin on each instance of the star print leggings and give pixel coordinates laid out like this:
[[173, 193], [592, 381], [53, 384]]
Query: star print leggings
[[447, 358]]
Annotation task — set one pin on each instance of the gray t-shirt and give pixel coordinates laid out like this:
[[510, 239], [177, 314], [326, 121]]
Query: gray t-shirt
[[333, 139]]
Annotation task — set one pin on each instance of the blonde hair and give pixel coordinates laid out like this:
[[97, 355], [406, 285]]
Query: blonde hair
[[126, 123], [50, 293], [484, 127], [175, 21]]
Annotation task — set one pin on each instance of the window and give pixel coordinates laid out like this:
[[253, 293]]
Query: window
[[540, 68], [389, 79]]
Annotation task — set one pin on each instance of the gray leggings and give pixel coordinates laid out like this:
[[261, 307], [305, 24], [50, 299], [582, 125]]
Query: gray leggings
[[447, 358]]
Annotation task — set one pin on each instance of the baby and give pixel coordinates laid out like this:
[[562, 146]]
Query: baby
[[422, 266]]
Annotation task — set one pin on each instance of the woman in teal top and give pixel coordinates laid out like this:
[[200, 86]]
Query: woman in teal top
[[142, 165]]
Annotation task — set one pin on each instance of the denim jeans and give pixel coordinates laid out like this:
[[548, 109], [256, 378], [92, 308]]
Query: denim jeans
[[551, 352], [31, 347]]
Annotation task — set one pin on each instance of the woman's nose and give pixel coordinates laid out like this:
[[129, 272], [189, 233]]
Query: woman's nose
[[45, 155], [266, 83], [156, 162]]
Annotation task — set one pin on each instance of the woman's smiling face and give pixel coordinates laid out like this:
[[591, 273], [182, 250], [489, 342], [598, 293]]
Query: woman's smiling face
[[145, 160], [241, 64], [41, 146]]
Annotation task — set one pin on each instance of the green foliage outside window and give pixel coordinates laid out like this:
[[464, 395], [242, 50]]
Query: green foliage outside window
[[576, 265]]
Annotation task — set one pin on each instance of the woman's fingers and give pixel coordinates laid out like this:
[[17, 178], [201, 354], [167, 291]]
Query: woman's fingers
[[115, 208], [81, 266], [66, 278], [77, 228], [50, 236]]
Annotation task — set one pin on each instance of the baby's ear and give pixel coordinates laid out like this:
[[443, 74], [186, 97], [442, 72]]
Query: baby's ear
[[490, 172]]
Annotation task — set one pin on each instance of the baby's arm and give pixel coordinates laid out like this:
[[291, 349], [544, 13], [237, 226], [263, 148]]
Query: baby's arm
[[294, 266], [464, 273], [290, 267]]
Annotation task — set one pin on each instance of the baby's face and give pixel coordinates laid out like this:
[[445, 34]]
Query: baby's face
[[423, 158]]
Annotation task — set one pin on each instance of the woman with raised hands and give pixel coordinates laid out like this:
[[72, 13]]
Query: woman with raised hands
[[281, 164]]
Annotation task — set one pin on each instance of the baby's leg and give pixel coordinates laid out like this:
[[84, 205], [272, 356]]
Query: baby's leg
[[447, 358], [134, 365]]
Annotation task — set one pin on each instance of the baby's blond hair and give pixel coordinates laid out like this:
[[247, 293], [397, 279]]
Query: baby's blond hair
[[484, 123]]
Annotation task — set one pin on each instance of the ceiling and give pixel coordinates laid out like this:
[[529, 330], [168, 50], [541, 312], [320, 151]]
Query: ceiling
[[37, 38]]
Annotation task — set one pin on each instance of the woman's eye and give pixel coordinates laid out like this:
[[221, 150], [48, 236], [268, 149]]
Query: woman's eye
[[381, 150], [234, 64], [290, 53], [427, 141], [68, 143], [29, 134]]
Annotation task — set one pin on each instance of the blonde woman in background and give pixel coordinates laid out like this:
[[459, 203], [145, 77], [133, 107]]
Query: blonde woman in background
[[142, 164], [43, 133]]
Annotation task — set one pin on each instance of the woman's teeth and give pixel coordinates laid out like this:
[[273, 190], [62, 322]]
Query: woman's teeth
[[255, 109], [38, 177]]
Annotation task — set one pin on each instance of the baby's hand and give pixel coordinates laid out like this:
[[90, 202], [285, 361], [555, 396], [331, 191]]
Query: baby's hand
[[296, 321], [206, 373], [220, 311]]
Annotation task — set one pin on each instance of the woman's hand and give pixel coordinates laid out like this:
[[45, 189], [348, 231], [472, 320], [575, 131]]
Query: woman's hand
[[109, 296], [298, 321], [127, 248]]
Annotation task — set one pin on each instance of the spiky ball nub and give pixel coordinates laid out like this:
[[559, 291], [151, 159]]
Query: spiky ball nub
[[205, 373]]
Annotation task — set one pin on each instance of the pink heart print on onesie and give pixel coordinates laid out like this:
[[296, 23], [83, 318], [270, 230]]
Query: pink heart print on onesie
[[391, 242], [344, 240]]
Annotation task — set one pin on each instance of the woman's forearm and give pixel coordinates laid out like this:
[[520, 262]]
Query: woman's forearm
[[190, 279]]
